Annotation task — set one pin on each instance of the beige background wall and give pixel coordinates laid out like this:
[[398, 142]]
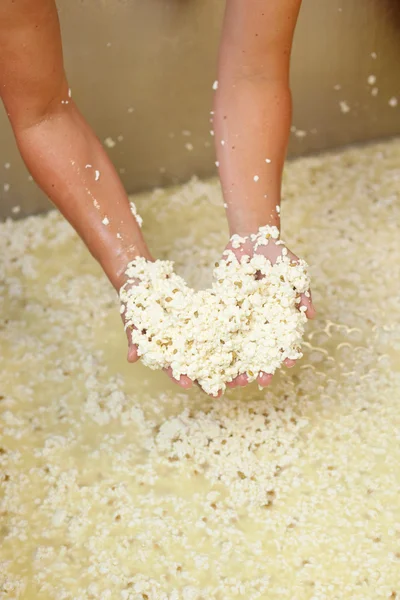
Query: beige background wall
[[142, 71]]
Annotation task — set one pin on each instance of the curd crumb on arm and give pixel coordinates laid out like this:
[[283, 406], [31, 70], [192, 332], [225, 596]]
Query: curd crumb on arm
[[252, 109]]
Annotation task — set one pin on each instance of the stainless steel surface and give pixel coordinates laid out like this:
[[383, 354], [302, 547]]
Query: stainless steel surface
[[142, 71]]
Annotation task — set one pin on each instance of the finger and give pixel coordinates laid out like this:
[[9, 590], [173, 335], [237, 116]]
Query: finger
[[305, 299], [308, 303], [264, 379], [289, 362], [133, 354], [242, 380], [184, 382], [239, 381]]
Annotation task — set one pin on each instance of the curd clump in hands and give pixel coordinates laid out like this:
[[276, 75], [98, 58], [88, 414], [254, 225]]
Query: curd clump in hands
[[249, 322]]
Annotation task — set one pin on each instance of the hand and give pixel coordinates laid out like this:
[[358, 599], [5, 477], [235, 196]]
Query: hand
[[272, 251], [133, 356]]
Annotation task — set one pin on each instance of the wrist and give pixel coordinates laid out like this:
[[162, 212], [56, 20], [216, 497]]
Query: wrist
[[115, 266], [249, 224]]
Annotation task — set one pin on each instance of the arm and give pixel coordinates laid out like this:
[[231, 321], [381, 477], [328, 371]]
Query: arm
[[253, 108], [252, 116], [59, 148]]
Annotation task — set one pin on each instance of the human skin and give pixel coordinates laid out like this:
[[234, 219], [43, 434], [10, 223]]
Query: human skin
[[70, 165], [252, 117]]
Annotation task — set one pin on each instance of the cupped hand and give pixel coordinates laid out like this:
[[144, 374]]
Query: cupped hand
[[272, 251], [184, 382], [133, 356]]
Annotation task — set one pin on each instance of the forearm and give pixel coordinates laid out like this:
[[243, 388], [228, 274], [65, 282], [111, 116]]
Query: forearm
[[70, 165], [252, 108], [252, 124]]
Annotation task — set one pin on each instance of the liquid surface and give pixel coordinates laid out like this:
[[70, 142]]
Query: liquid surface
[[116, 484]]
